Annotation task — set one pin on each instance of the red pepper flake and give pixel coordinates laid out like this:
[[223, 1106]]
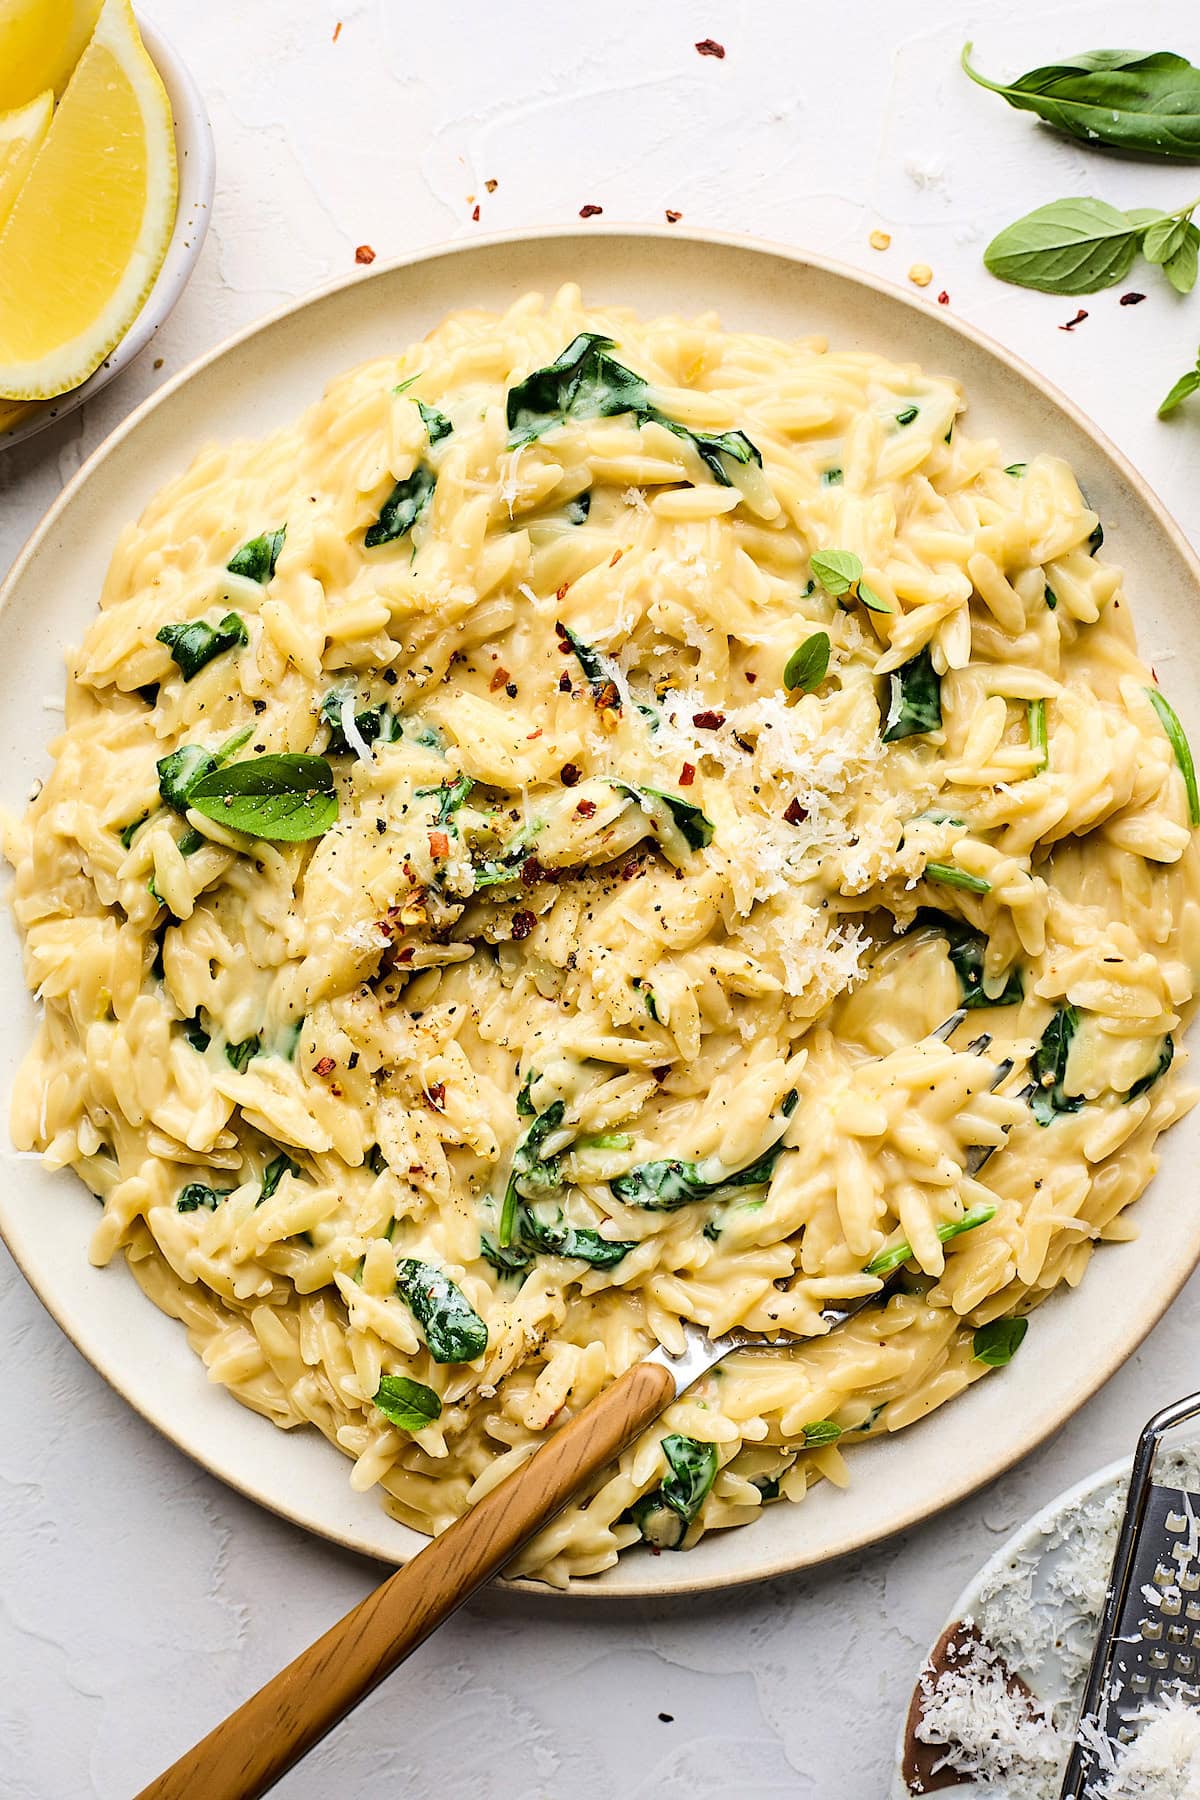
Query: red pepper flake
[[751, 677], [326, 1066], [1132, 299], [364, 254], [590, 212], [708, 721], [608, 697], [475, 213], [568, 774], [498, 679], [673, 218], [416, 1168], [796, 814], [1070, 325], [615, 558], [687, 774], [561, 594], [532, 737], [586, 809], [435, 1096], [632, 868], [491, 186], [943, 298], [405, 955], [564, 681], [710, 47], [532, 872], [523, 923], [337, 31], [439, 846]]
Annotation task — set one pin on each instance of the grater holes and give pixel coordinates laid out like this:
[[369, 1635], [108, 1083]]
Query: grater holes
[[1177, 1634], [1159, 1659], [1193, 1609], [1152, 1629], [1176, 1522]]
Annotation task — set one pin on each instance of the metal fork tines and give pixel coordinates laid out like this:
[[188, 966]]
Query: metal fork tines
[[1149, 1640]]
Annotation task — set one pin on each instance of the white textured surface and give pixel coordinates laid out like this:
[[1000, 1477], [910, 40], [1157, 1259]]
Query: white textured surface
[[139, 1600]]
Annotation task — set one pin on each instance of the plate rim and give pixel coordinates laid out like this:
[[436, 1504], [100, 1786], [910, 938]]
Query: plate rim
[[1100, 1367]]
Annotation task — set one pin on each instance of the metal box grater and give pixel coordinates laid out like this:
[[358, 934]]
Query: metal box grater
[[1149, 1640]]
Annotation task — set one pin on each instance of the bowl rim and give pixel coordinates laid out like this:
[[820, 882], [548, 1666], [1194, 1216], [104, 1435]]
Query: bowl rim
[[1108, 1356], [195, 154]]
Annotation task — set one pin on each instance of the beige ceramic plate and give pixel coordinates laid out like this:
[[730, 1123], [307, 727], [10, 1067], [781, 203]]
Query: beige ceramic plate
[[262, 379]]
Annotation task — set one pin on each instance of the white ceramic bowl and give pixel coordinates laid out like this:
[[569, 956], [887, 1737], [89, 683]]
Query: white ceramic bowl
[[262, 378], [197, 162]]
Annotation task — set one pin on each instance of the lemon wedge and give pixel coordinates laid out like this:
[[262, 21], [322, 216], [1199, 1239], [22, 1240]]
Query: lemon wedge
[[40, 43], [92, 220], [21, 134]]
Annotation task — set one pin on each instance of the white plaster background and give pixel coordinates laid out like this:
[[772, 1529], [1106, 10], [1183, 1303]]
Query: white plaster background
[[140, 1601]]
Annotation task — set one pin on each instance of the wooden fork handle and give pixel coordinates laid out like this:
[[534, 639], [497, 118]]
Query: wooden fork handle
[[248, 1753]]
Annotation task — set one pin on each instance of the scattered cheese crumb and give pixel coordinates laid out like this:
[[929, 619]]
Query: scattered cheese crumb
[[880, 240], [920, 274]]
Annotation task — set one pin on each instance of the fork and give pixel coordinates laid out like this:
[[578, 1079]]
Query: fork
[[250, 1750]]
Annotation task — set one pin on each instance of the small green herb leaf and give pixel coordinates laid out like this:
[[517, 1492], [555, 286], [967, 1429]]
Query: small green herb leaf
[[873, 601], [1037, 734], [914, 699], [256, 559], [1180, 269], [693, 1468], [285, 798], [998, 1342], [197, 1197], [821, 1431], [1179, 392], [665, 1185], [194, 644], [239, 1055], [907, 415], [808, 665], [1166, 1056], [966, 948], [273, 1174], [454, 1332], [179, 772], [1075, 246], [127, 832], [409, 1404], [1146, 102], [402, 508], [1183, 750], [838, 571], [436, 423]]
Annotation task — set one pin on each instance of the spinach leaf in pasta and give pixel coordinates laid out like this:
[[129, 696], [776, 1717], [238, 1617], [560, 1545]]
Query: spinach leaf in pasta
[[179, 772], [256, 559], [273, 1174], [195, 643], [128, 832], [437, 425], [530, 1175], [914, 699], [375, 724], [665, 1185], [671, 815], [198, 1197], [402, 508], [454, 1332], [239, 1055], [711, 447], [601, 671], [284, 798], [1165, 1058], [407, 1403], [451, 795], [663, 1516], [966, 947], [1048, 1068], [560, 1239]]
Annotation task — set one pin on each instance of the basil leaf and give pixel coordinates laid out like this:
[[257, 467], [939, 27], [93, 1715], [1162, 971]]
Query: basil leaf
[[899, 1253], [1166, 1057], [1180, 268], [1075, 246], [838, 571], [998, 1342], [454, 1332], [1177, 737], [256, 559], [273, 1174], [693, 1466], [194, 644], [179, 772], [1185, 386], [1164, 237], [1134, 100], [821, 1431], [285, 798], [807, 667], [196, 1197], [914, 699], [402, 508], [436, 423], [1049, 1067], [409, 1404]]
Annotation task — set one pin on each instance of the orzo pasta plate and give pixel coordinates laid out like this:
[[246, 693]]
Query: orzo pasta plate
[[566, 722]]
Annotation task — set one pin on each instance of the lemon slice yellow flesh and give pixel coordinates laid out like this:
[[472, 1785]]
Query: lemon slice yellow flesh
[[40, 43], [21, 134], [92, 220]]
